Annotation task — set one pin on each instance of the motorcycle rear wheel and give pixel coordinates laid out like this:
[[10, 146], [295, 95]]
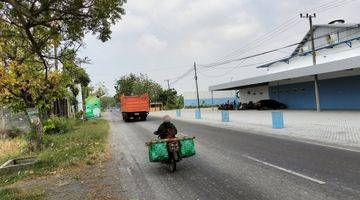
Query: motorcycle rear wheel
[[172, 164]]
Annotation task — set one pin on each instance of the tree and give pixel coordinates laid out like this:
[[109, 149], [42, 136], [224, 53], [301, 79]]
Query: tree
[[126, 84], [21, 88], [37, 34], [48, 29], [146, 85], [137, 85], [99, 90], [107, 102], [170, 99]]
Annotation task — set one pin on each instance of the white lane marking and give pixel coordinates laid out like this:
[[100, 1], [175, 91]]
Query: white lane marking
[[285, 170], [293, 138], [329, 146]]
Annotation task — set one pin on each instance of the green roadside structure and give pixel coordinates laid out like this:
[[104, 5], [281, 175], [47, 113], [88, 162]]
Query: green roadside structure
[[92, 107]]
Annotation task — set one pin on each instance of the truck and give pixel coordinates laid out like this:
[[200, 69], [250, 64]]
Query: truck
[[135, 107]]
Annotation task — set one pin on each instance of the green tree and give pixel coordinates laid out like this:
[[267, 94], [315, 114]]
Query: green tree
[[136, 85], [39, 35], [107, 102], [48, 29], [139, 84], [99, 90], [170, 99], [21, 88], [126, 84]]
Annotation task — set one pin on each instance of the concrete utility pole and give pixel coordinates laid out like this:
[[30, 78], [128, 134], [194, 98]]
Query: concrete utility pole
[[168, 83], [313, 52], [197, 87]]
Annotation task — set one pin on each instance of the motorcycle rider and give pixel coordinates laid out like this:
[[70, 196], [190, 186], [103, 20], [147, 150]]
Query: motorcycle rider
[[166, 129]]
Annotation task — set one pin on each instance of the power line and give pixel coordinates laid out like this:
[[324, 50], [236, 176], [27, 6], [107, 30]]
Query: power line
[[232, 68], [257, 64], [227, 72], [283, 27], [247, 57], [273, 50], [260, 40], [275, 31], [335, 5], [177, 79]]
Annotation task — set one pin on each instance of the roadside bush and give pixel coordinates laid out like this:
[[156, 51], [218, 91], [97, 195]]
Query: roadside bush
[[79, 115], [31, 137], [58, 125]]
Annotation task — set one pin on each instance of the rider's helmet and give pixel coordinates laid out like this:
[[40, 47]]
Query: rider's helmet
[[167, 118]]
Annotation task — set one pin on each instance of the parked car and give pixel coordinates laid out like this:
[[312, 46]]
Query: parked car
[[248, 106], [269, 104]]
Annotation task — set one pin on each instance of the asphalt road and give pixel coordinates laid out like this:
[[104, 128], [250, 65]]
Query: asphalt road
[[232, 165]]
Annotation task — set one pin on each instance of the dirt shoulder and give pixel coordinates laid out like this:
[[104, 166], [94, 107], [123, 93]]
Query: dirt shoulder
[[90, 182]]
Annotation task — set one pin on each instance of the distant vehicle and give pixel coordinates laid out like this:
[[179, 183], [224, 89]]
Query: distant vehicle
[[135, 107], [248, 106], [269, 104]]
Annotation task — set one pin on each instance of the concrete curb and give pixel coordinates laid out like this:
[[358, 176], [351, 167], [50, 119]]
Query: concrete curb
[[17, 164]]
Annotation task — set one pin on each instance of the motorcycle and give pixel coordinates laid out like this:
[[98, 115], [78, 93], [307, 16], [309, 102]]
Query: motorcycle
[[169, 149], [174, 155], [173, 147]]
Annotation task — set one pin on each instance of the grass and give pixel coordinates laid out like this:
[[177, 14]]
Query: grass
[[17, 194], [10, 148], [85, 145]]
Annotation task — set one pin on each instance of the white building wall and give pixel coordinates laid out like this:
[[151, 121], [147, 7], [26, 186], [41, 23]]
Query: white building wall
[[254, 94], [337, 52]]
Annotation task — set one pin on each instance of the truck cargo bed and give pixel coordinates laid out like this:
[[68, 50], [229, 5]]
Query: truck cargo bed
[[135, 107]]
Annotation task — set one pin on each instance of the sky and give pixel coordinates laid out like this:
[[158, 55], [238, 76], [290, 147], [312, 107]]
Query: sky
[[163, 38]]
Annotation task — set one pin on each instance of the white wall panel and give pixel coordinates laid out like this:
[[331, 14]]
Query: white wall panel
[[254, 94]]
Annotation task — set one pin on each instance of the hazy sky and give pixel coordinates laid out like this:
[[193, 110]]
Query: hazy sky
[[162, 38]]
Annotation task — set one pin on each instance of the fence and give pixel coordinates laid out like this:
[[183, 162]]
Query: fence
[[9, 120]]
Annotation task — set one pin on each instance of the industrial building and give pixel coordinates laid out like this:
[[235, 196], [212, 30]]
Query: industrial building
[[332, 83]]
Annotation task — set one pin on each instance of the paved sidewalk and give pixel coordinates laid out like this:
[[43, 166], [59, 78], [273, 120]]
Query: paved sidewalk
[[331, 127]]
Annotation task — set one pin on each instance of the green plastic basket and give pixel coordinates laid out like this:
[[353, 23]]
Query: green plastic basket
[[187, 148], [158, 152]]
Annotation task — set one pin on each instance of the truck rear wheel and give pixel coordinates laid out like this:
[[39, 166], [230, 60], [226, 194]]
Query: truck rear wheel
[[125, 117], [143, 118]]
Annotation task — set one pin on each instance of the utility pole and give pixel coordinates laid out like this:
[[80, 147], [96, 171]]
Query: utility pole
[[313, 52], [197, 87], [168, 83]]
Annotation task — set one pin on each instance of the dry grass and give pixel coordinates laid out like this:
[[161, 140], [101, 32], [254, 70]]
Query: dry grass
[[85, 145], [10, 148]]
